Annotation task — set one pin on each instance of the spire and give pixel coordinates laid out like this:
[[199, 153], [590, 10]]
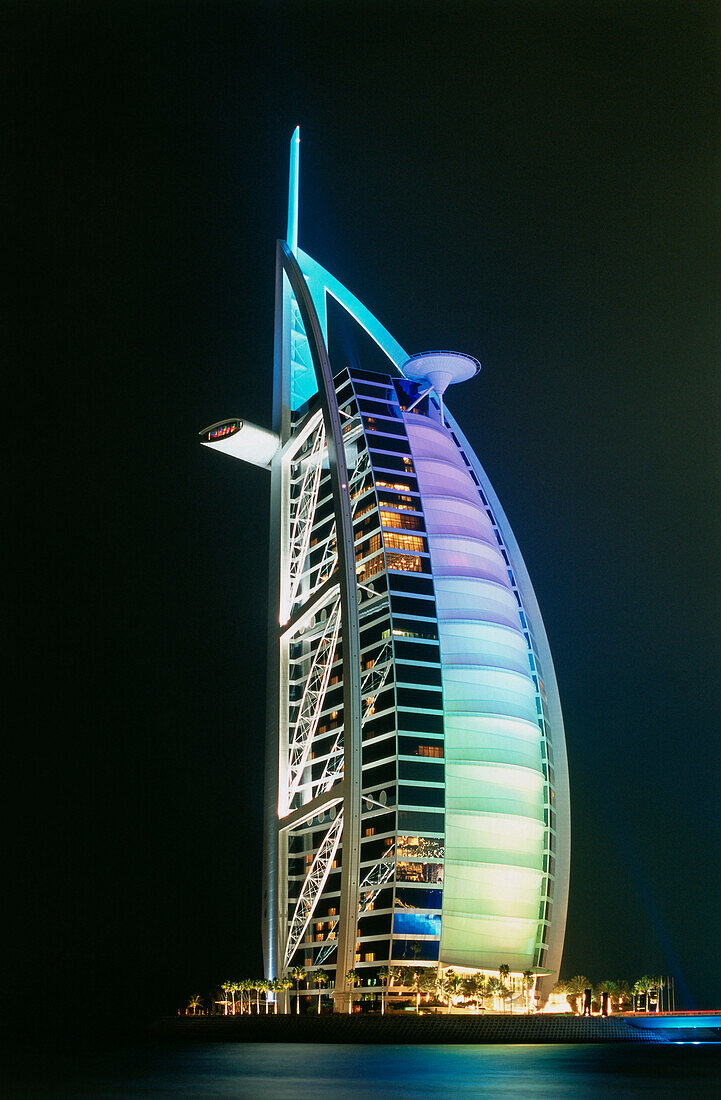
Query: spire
[[292, 231]]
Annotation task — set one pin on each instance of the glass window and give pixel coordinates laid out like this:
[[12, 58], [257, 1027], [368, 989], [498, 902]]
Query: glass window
[[427, 951], [407, 523], [413, 722], [418, 820], [410, 898], [399, 500], [408, 563], [424, 771], [421, 698], [418, 674], [417, 651], [420, 847], [416, 924], [413, 628], [374, 423], [413, 605], [407, 871], [413, 746], [389, 462], [421, 796], [412, 586], [370, 568]]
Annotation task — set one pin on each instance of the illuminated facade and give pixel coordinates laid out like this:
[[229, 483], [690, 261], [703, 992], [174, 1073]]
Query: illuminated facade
[[417, 799]]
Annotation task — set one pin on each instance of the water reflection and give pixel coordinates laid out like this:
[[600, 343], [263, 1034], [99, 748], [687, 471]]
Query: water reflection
[[296, 1072]]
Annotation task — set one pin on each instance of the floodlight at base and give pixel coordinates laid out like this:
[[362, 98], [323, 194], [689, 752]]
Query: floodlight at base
[[243, 440]]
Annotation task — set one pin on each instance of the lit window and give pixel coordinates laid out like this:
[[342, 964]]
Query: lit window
[[394, 519], [370, 831], [332, 912], [404, 542], [435, 751], [405, 563], [369, 957], [393, 485]]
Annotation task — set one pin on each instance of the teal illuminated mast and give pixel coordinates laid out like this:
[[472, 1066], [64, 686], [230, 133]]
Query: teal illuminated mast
[[417, 798]]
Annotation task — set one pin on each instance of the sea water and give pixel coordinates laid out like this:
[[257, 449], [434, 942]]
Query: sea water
[[280, 1071]]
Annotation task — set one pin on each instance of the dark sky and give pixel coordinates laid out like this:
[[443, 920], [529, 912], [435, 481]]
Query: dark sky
[[535, 184]]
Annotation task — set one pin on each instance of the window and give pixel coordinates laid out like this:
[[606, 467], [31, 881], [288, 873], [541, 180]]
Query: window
[[369, 831], [413, 722], [416, 746], [416, 924], [389, 462], [423, 822], [395, 519], [369, 957], [418, 674], [368, 546], [417, 651], [421, 698], [399, 486], [419, 872], [421, 796], [402, 502], [420, 847], [411, 898], [396, 541], [370, 568], [406, 563], [421, 770], [413, 585], [376, 424], [414, 605]]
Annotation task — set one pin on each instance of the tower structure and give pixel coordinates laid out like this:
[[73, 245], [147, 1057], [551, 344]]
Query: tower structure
[[416, 792]]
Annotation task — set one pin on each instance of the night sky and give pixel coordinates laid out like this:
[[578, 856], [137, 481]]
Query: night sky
[[534, 184]]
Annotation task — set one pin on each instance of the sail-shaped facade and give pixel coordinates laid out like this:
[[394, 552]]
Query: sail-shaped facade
[[416, 801]]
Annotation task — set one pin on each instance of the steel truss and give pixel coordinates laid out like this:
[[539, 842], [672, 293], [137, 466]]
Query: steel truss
[[303, 513], [377, 876], [315, 593], [312, 888], [372, 683], [311, 703]]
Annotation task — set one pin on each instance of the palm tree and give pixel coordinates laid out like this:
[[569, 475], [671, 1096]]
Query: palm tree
[[385, 974], [658, 984], [285, 984], [574, 988], [452, 984], [504, 972], [195, 1002], [260, 985], [320, 978], [298, 973], [411, 977], [476, 988], [622, 994], [352, 977], [427, 981], [227, 988], [276, 986], [527, 985], [642, 986], [493, 987]]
